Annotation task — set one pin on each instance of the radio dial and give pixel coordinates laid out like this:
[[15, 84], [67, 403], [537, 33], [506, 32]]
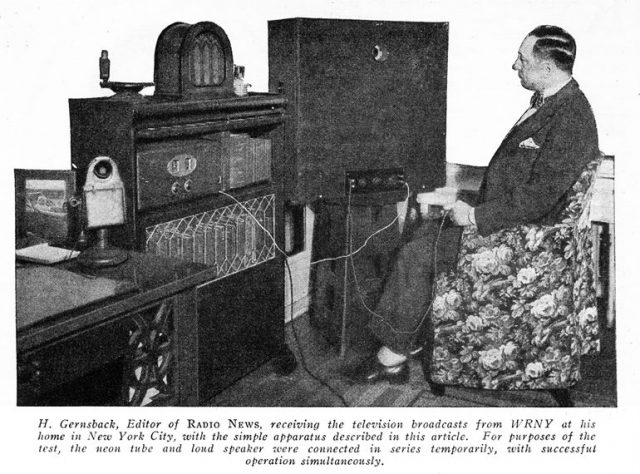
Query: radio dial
[[188, 185], [175, 188]]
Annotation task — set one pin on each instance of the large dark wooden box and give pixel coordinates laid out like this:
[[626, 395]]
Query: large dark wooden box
[[362, 95]]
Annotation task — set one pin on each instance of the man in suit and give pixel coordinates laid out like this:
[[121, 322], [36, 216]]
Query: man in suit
[[527, 181]]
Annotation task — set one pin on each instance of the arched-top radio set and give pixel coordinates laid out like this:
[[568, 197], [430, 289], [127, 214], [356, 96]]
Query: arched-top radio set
[[193, 61]]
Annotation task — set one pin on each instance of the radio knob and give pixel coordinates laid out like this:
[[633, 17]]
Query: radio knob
[[175, 188], [188, 185]]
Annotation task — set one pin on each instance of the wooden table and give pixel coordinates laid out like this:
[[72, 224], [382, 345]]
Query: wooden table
[[146, 321]]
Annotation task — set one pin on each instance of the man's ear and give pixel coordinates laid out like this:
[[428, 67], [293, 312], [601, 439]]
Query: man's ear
[[548, 67]]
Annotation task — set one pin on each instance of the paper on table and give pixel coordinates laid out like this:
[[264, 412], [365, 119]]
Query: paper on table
[[45, 254]]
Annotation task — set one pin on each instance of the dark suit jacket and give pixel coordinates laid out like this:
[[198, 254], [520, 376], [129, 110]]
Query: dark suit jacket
[[528, 184]]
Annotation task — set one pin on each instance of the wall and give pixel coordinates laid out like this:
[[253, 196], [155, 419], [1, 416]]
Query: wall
[[299, 265]]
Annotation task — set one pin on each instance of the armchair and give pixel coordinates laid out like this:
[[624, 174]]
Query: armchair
[[519, 309]]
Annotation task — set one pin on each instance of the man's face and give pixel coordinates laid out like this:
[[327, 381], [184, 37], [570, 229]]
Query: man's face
[[531, 70]]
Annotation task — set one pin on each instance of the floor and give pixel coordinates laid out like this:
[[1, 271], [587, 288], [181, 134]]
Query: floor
[[319, 381]]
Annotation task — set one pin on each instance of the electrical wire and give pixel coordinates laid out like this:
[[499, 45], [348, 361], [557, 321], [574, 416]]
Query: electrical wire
[[303, 362], [351, 254], [302, 359], [435, 272]]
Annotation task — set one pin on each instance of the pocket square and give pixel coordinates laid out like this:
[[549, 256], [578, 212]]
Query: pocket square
[[529, 143]]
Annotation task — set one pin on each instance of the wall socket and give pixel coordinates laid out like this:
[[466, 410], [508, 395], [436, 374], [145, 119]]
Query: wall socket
[[374, 180]]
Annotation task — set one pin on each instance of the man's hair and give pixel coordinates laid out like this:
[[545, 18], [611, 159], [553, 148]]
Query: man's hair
[[554, 43]]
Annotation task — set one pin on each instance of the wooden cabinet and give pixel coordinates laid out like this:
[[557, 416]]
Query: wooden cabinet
[[363, 95], [175, 157], [144, 134]]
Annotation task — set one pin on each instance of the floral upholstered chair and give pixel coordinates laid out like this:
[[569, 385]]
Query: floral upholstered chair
[[519, 310]]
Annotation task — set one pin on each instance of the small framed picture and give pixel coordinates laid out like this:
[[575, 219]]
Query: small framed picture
[[46, 206]]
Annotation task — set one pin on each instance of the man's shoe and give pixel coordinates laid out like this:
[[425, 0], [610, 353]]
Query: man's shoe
[[372, 371]]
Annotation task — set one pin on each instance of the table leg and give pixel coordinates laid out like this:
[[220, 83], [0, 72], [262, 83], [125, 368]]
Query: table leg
[[596, 230], [611, 300]]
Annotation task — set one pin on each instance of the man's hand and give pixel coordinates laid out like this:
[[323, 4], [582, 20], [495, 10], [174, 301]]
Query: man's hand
[[460, 213]]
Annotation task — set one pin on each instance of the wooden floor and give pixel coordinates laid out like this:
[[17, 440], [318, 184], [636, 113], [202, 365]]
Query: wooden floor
[[320, 381]]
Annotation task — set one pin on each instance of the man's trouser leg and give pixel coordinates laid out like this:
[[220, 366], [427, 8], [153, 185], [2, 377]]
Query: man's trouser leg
[[404, 303]]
